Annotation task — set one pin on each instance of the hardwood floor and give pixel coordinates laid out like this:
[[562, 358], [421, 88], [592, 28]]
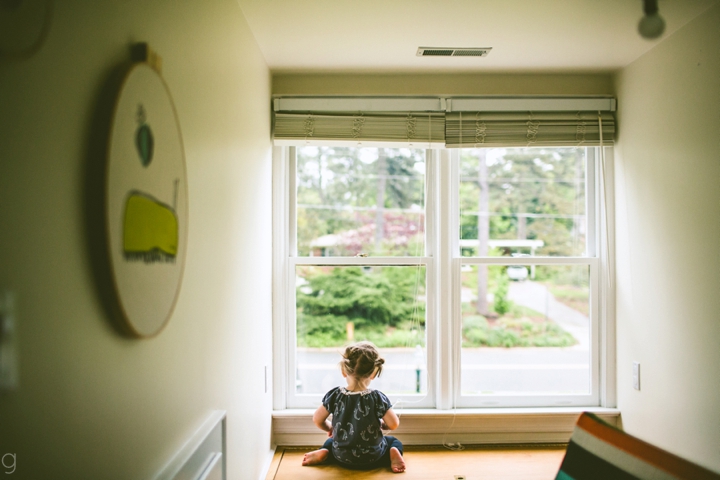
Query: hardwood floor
[[436, 463]]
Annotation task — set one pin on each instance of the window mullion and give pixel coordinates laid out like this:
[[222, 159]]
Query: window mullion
[[364, 261], [292, 206], [431, 317], [607, 335], [527, 260], [595, 301], [445, 293], [289, 278]]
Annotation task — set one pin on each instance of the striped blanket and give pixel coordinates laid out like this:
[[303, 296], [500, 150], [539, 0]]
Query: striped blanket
[[598, 451]]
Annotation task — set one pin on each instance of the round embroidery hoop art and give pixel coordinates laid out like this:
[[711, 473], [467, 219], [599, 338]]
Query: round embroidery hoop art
[[24, 26], [146, 202]]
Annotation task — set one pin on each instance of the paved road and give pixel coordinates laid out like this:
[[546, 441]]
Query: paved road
[[484, 370]]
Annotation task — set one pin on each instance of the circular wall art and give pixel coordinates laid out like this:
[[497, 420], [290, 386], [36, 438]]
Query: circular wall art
[[24, 25], [146, 201]]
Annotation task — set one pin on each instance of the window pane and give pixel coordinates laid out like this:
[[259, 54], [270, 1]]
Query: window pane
[[528, 336], [516, 201], [360, 200], [341, 305]]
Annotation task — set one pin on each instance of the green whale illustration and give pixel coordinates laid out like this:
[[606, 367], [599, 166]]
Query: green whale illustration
[[150, 229]]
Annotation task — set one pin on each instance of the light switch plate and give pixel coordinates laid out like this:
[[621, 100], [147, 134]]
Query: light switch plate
[[636, 375]]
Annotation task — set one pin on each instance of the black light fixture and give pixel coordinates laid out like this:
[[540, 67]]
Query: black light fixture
[[652, 24]]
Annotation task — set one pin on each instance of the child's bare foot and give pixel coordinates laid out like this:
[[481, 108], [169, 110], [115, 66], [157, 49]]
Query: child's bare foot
[[397, 464], [319, 456]]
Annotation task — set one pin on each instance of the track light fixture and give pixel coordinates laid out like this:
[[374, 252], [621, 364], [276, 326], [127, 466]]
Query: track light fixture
[[652, 24]]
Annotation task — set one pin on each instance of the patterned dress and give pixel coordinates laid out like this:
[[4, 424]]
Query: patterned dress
[[357, 438]]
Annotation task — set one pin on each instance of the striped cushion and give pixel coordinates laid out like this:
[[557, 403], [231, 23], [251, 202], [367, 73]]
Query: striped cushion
[[598, 451]]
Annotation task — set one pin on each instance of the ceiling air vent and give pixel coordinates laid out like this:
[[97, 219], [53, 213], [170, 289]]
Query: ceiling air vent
[[452, 52]]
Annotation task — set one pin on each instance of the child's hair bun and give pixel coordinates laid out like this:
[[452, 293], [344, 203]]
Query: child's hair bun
[[361, 360]]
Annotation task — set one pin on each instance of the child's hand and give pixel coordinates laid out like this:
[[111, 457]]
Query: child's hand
[[329, 428]]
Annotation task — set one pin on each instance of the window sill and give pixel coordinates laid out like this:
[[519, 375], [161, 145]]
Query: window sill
[[467, 426]]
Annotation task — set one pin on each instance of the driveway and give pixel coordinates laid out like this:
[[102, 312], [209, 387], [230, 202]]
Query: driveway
[[536, 296]]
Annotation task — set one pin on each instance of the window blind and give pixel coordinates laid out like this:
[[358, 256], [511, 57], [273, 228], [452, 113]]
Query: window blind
[[414, 127], [523, 129], [448, 122]]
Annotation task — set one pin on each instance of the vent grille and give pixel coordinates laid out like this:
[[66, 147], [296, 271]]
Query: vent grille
[[452, 52], [437, 53]]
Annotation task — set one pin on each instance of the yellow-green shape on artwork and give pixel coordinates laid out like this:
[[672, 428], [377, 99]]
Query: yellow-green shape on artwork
[[149, 226]]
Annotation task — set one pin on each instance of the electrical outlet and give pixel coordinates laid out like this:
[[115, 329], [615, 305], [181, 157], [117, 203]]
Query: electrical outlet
[[636, 375]]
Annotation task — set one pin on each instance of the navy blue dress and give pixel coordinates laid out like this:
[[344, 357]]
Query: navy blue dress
[[357, 438]]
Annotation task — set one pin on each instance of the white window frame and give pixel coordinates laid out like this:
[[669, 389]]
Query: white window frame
[[443, 263], [591, 260], [291, 260]]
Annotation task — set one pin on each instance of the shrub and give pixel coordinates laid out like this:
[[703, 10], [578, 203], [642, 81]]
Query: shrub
[[392, 338], [474, 321], [499, 337], [511, 332], [501, 304], [321, 330], [381, 303], [383, 298]]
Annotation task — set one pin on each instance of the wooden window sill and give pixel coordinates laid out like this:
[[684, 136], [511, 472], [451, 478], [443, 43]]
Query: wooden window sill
[[467, 425]]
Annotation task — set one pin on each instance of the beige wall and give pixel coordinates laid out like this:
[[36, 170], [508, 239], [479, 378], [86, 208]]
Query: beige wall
[[668, 235], [459, 84], [91, 403], [668, 220]]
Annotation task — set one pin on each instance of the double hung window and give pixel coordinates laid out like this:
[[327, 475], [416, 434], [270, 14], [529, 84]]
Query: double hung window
[[359, 268], [529, 278], [478, 271]]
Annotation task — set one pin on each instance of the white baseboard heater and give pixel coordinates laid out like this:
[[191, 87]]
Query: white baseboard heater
[[203, 455]]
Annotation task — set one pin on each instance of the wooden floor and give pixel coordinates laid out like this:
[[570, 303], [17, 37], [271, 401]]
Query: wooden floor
[[435, 463]]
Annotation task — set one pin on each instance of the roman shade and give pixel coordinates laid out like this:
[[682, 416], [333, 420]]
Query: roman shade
[[527, 129], [413, 128], [450, 122]]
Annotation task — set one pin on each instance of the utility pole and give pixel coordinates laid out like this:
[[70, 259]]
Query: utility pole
[[380, 198]]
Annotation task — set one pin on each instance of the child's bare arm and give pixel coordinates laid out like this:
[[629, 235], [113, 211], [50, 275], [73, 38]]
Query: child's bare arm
[[391, 420], [320, 419]]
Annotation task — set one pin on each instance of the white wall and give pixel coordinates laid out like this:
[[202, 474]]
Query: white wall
[[668, 242], [92, 403]]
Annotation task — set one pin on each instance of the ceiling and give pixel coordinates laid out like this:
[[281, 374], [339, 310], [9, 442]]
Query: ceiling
[[525, 35]]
